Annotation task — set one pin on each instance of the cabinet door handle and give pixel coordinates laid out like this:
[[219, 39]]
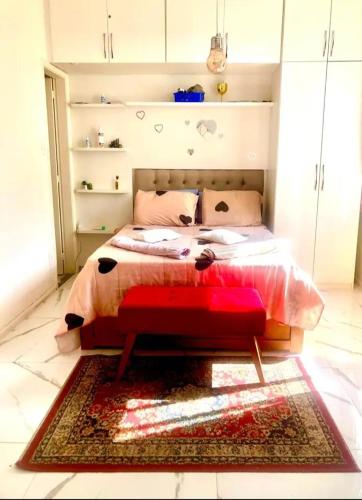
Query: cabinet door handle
[[111, 35], [316, 176], [104, 46], [325, 43], [322, 186], [332, 45]]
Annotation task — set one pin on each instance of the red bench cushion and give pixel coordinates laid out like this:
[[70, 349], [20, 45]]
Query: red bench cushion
[[199, 311]]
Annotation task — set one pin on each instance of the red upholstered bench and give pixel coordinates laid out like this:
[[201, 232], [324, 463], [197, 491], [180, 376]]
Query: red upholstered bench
[[201, 311]]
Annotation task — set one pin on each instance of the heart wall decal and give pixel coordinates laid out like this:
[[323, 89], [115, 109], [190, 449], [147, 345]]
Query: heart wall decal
[[140, 115], [158, 127], [187, 122], [190, 151], [206, 127]]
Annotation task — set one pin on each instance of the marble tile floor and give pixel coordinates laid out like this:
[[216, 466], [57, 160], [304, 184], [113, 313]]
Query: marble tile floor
[[32, 371]]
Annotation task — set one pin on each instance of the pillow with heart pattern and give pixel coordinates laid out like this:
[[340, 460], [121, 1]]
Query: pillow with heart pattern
[[231, 208], [165, 208]]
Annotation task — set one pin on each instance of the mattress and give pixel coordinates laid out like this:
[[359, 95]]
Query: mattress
[[287, 291]]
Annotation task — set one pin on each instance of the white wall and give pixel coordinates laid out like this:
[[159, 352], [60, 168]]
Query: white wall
[[27, 248], [270, 178], [358, 276], [241, 140]]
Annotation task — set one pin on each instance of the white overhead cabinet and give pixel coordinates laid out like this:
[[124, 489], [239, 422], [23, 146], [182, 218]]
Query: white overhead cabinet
[[79, 31], [318, 186], [92, 31], [254, 29], [346, 31], [136, 31], [319, 30], [157, 31], [189, 27]]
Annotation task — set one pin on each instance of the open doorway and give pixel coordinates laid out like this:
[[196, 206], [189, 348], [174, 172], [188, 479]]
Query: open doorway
[[50, 89], [55, 89]]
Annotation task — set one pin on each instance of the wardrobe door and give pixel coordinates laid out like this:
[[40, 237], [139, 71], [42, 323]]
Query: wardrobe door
[[190, 25], [300, 132], [346, 31], [136, 31], [254, 29], [78, 31], [340, 181], [306, 30]]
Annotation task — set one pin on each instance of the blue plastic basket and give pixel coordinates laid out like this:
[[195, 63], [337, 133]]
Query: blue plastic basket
[[189, 96]]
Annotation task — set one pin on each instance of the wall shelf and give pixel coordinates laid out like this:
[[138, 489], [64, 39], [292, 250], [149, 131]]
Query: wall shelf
[[95, 231], [204, 104], [99, 191], [96, 105], [100, 150]]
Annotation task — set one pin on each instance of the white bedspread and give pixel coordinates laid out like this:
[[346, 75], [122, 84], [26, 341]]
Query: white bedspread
[[288, 292]]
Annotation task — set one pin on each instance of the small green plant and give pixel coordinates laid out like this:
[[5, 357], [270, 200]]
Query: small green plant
[[90, 185]]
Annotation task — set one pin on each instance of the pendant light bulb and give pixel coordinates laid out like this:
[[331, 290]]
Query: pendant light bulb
[[216, 62]]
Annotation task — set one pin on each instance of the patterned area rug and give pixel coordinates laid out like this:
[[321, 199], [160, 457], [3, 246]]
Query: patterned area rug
[[190, 414]]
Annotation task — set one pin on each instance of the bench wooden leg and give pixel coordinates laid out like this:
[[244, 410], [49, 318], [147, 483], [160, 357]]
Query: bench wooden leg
[[127, 349], [255, 353]]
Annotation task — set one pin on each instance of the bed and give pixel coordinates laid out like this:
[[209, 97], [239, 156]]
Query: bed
[[292, 301]]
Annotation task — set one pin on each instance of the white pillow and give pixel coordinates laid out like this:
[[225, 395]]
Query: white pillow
[[154, 235], [224, 236]]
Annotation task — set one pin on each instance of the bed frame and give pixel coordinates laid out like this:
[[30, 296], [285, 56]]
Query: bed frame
[[278, 338]]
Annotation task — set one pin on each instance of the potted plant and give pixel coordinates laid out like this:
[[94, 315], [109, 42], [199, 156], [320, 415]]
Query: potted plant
[[85, 185]]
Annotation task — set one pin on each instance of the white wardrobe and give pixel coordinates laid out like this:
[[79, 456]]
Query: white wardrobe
[[319, 161]]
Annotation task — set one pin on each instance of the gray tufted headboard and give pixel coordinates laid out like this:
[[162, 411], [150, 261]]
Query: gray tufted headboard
[[166, 179]]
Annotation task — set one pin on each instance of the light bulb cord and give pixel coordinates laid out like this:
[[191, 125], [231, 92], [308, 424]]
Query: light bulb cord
[[217, 18], [223, 20]]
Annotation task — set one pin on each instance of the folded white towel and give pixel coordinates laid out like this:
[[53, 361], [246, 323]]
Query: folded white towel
[[246, 249], [154, 235], [150, 248], [224, 236]]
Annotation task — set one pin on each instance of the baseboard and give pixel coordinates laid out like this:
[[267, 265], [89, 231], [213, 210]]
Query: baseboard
[[334, 286], [27, 311]]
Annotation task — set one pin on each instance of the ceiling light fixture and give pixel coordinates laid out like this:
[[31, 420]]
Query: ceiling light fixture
[[216, 62]]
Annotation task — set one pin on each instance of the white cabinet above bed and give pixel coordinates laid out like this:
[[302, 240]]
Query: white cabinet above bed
[[254, 30], [163, 31], [111, 31]]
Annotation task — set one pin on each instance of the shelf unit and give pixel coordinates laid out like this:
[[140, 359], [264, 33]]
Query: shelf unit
[[173, 104], [95, 231], [99, 191], [204, 104], [87, 230], [99, 149], [96, 105]]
